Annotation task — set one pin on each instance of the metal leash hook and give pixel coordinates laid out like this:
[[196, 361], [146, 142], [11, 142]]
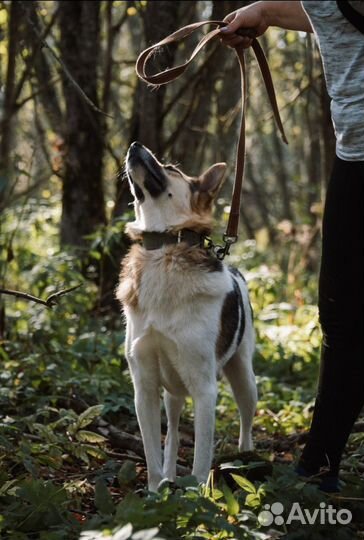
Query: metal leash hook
[[225, 250], [218, 250]]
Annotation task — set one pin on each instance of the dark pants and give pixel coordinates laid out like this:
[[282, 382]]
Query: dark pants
[[340, 396]]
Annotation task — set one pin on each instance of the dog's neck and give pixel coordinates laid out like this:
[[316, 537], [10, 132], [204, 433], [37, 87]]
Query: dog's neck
[[193, 231], [152, 240]]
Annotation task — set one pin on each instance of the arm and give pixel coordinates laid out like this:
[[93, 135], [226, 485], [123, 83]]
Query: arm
[[289, 15]]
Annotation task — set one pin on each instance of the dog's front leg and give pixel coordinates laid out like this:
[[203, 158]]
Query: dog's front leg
[[173, 406], [204, 402], [147, 407]]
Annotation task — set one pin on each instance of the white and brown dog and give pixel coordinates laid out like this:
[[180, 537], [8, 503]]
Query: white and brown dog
[[188, 315]]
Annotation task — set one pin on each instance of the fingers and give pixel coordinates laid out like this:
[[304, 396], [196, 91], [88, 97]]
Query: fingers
[[232, 40], [230, 17], [227, 33], [233, 21]]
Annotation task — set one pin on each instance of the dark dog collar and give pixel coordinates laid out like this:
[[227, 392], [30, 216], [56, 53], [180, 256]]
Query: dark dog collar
[[156, 240]]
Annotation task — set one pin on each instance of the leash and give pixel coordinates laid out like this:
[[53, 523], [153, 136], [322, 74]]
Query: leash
[[231, 234]]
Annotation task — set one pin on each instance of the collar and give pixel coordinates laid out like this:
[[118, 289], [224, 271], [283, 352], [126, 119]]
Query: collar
[[156, 240]]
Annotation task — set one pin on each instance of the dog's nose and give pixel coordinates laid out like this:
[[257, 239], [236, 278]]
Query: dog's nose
[[134, 149], [134, 145]]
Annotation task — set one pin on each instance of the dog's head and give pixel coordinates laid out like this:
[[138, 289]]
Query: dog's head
[[166, 199]]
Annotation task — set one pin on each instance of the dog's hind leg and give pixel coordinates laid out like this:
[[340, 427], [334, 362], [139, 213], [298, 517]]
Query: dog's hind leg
[[240, 375], [173, 405]]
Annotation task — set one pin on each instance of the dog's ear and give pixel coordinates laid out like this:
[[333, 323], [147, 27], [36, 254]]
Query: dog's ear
[[210, 182]]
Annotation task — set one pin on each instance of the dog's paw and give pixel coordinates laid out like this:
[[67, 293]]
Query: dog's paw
[[166, 483]]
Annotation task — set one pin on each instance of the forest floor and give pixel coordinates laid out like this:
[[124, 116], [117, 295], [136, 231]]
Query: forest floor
[[72, 468], [71, 458]]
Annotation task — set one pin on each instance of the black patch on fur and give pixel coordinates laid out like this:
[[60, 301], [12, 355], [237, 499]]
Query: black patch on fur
[[241, 309], [154, 184], [155, 180], [235, 272], [232, 320], [138, 193]]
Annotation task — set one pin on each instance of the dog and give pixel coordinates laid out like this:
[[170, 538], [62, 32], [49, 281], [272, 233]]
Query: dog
[[188, 315]]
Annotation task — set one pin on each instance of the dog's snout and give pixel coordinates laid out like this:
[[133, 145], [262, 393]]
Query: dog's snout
[[134, 145], [144, 168], [134, 148]]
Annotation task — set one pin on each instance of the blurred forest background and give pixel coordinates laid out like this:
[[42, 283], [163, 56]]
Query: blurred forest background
[[70, 105]]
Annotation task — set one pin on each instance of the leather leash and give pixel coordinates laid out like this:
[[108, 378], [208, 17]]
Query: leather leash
[[164, 77]]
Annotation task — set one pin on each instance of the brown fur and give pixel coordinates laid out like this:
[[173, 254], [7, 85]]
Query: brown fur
[[191, 257], [135, 261], [131, 275]]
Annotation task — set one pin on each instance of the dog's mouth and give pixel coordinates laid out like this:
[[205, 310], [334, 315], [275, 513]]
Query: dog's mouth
[[145, 171]]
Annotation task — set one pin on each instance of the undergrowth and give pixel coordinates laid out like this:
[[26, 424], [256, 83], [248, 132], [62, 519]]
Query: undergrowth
[[64, 382]]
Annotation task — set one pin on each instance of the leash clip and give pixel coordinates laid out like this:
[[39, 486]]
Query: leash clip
[[220, 251], [225, 250]]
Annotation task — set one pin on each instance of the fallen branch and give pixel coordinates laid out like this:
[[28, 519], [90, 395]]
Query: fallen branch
[[51, 301], [120, 439]]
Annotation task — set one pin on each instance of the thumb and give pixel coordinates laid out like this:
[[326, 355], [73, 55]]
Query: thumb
[[233, 24]]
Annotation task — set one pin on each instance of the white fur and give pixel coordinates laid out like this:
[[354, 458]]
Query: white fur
[[171, 343]]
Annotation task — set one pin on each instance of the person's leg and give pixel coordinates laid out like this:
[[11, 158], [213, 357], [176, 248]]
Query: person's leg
[[341, 384]]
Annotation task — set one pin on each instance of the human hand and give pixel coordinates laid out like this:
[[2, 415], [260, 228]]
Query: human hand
[[252, 16]]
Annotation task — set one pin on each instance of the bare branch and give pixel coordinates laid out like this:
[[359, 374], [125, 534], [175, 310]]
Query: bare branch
[[51, 301], [36, 93]]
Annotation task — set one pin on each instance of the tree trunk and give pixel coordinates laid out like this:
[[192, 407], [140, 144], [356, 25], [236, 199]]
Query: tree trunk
[[160, 19], [82, 199], [48, 95], [9, 95], [282, 176], [193, 144]]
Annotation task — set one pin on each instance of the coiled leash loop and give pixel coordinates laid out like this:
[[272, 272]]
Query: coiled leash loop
[[164, 77]]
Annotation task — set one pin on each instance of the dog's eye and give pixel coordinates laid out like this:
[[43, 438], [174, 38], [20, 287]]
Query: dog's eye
[[172, 168], [170, 195]]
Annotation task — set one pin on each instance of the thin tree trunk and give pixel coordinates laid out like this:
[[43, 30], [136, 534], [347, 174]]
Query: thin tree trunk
[[9, 94], [48, 95], [160, 18], [259, 200], [194, 147], [282, 177], [82, 199]]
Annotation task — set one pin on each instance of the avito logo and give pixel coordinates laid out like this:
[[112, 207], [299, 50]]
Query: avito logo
[[326, 514]]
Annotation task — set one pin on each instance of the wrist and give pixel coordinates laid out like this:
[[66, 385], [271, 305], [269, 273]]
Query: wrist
[[286, 14], [266, 9], [272, 12]]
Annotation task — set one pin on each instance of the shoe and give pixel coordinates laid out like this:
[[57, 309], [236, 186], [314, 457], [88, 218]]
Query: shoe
[[328, 484]]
